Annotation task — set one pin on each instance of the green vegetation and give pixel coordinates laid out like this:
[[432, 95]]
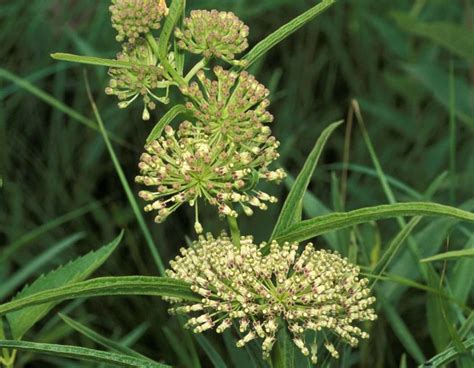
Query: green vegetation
[[390, 187]]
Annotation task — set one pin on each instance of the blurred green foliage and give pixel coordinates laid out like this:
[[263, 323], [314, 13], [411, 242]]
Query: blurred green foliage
[[408, 64]]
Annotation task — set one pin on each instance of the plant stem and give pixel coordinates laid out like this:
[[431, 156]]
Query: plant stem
[[201, 64], [234, 230]]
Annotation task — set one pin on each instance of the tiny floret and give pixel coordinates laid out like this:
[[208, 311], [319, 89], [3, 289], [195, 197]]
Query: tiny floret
[[316, 290], [213, 34], [186, 165], [143, 78], [132, 18], [231, 108]]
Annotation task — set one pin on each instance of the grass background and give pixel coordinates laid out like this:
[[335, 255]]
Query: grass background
[[414, 87]]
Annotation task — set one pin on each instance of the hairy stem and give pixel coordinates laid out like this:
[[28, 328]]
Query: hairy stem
[[234, 230]]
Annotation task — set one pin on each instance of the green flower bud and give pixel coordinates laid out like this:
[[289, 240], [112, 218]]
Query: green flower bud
[[213, 34]]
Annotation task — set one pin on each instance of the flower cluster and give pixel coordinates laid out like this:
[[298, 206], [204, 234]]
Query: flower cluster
[[132, 18], [140, 79], [213, 34], [231, 108], [185, 165], [317, 291]]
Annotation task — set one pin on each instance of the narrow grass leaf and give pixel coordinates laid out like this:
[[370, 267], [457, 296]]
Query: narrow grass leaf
[[165, 120], [291, 211], [105, 286], [210, 351], [449, 355], [395, 246], [28, 237], [50, 100], [92, 60], [79, 353], [450, 256], [310, 228], [79, 269], [36, 263], [284, 31], [403, 333], [101, 340], [452, 36], [123, 180]]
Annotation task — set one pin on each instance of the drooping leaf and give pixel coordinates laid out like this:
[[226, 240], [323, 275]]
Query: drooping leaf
[[309, 228], [105, 286], [291, 210], [79, 353], [79, 269]]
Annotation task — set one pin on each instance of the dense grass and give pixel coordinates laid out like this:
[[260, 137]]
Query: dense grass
[[411, 140]]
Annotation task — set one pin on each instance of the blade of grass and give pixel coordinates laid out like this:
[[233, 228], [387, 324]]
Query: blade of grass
[[131, 198], [83, 354], [452, 255], [210, 351], [11, 248], [452, 135], [30, 268], [92, 60], [101, 340], [50, 100]]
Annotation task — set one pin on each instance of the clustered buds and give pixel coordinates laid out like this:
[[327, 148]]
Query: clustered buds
[[140, 79], [316, 290], [132, 18], [185, 165], [231, 108], [213, 34]]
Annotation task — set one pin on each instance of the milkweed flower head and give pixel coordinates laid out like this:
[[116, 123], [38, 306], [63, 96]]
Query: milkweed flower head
[[316, 290], [213, 34], [138, 80], [231, 108], [183, 166], [132, 18]]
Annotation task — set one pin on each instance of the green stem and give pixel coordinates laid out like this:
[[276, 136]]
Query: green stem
[[234, 230], [170, 72], [195, 69]]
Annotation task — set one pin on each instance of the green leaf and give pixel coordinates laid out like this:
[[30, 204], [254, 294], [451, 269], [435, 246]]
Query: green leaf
[[284, 31], [449, 355], [284, 354], [101, 340], [92, 60], [11, 248], [452, 255], [126, 186], [165, 120], [339, 220], [21, 321], [291, 211], [210, 351], [175, 13], [454, 37], [395, 246], [402, 332], [79, 353], [105, 286], [36, 263]]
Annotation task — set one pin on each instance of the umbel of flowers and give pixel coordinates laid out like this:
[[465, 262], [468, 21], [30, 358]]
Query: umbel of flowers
[[316, 290], [184, 166]]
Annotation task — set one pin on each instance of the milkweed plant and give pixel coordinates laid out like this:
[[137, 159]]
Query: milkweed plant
[[214, 147]]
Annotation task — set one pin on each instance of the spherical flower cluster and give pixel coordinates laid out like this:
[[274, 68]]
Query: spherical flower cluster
[[213, 34], [317, 290], [144, 76], [185, 166], [132, 18], [231, 108]]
